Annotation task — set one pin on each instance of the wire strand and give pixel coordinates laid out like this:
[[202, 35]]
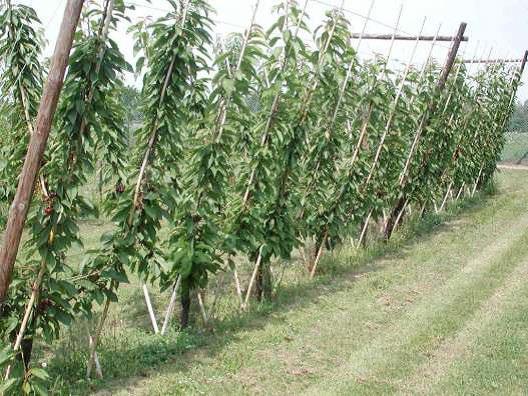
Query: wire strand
[[217, 21]]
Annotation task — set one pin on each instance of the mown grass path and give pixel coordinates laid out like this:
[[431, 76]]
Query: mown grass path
[[446, 314]]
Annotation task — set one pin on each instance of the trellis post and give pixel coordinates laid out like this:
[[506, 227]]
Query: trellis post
[[450, 61], [37, 145]]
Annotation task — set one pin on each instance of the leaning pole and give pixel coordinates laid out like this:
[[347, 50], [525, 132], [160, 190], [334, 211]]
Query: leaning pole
[[37, 145]]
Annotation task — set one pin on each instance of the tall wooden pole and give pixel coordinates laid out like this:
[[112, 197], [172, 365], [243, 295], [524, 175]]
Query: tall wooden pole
[[37, 145], [523, 64], [426, 119], [451, 56]]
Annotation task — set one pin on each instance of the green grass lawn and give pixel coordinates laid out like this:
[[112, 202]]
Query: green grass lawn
[[440, 310]]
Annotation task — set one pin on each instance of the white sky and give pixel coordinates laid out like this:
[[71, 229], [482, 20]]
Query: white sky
[[499, 26]]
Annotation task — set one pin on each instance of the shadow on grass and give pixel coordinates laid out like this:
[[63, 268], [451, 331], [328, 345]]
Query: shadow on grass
[[130, 353]]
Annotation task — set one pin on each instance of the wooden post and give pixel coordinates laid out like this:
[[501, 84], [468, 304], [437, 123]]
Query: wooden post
[[37, 145], [450, 61], [451, 56], [523, 63]]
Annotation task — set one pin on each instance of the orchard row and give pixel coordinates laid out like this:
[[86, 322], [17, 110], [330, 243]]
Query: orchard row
[[248, 147]]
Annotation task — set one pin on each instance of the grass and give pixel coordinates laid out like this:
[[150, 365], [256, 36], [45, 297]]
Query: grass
[[515, 148], [441, 309]]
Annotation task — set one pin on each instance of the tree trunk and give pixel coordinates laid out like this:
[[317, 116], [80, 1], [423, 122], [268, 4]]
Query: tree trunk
[[391, 221], [26, 348], [263, 282], [185, 305]]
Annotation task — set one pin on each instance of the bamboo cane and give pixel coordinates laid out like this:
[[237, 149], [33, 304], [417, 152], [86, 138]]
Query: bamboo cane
[[419, 132], [319, 254], [35, 291], [154, 131], [224, 107], [380, 146], [400, 215], [364, 228], [464, 125], [446, 196], [211, 311], [514, 84], [341, 96], [476, 182], [460, 191], [223, 118], [336, 112], [495, 117], [253, 277], [96, 337], [170, 307], [393, 109]]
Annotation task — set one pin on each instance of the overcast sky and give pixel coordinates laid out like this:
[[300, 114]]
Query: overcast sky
[[499, 26]]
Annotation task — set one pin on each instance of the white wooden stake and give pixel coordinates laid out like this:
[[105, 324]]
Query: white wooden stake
[[477, 181], [237, 285], [460, 191], [253, 277], [150, 309], [444, 201], [319, 254], [364, 229], [202, 307], [170, 307], [400, 215], [98, 370], [95, 340]]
